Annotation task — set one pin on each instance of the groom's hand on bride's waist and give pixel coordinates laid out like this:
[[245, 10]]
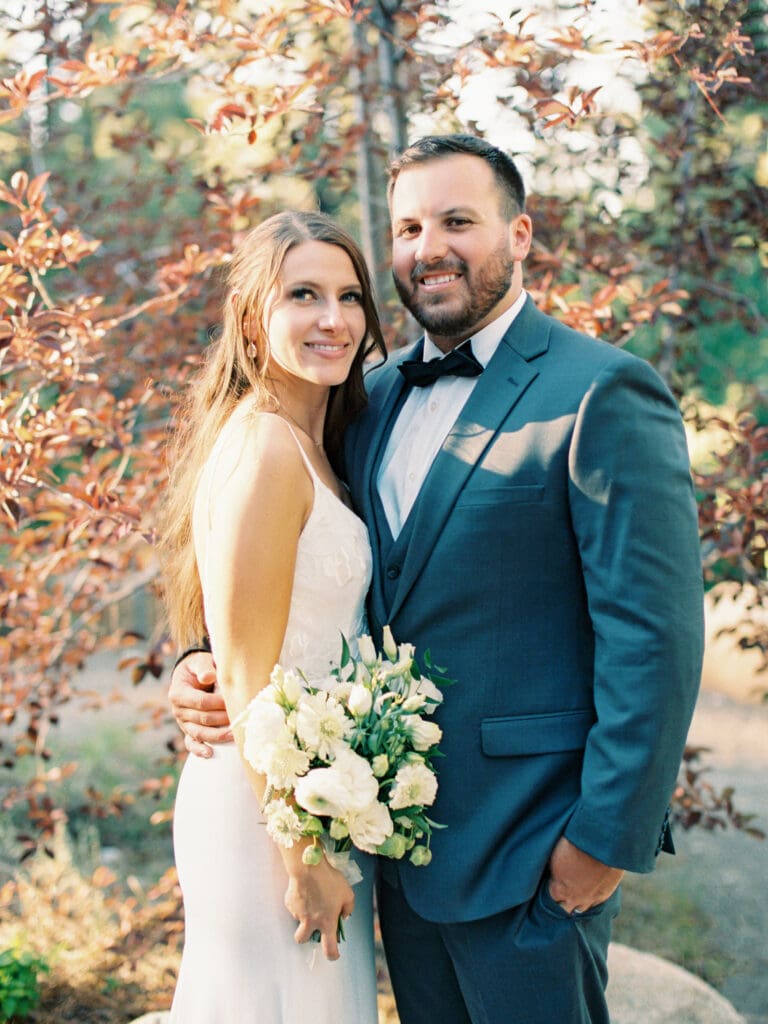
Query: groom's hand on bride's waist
[[199, 712]]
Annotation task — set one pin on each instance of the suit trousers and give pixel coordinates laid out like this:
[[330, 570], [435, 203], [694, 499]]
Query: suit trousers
[[531, 964]]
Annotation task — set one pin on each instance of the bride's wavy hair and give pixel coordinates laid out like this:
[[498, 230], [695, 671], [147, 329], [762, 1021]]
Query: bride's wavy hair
[[237, 364]]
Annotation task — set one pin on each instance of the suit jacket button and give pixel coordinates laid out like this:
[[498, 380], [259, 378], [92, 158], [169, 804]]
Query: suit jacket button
[[393, 572]]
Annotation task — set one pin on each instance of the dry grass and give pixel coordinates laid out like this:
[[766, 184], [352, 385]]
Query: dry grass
[[113, 948]]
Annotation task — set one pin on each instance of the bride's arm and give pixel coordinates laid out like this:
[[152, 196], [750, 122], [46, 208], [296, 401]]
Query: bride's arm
[[261, 497]]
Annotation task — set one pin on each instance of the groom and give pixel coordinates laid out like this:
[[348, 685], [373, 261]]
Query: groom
[[529, 501]]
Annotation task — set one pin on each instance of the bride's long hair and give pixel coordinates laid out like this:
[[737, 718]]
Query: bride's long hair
[[233, 368]]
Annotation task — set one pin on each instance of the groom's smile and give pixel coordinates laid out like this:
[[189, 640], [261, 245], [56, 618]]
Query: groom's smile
[[454, 265]]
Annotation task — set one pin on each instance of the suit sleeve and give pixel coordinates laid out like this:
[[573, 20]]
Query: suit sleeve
[[634, 516]]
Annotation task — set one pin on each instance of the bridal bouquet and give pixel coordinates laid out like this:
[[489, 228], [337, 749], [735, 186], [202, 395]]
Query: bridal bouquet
[[348, 759]]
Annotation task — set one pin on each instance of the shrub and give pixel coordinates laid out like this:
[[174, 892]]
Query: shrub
[[19, 992]]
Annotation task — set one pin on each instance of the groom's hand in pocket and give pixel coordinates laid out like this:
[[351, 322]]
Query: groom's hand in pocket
[[199, 712], [577, 881]]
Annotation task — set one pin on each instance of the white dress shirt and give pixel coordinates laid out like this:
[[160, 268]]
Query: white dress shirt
[[426, 419]]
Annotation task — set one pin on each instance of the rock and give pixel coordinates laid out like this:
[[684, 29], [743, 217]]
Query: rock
[[644, 989]]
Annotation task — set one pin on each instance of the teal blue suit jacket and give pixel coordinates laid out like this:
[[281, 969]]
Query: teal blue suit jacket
[[551, 563]]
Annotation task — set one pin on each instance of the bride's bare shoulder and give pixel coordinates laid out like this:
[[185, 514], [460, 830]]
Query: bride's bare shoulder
[[255, 458]]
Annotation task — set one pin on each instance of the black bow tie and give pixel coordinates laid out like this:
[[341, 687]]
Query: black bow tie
[[461, 362]]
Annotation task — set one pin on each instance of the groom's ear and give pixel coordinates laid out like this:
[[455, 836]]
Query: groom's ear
[[520, 236]]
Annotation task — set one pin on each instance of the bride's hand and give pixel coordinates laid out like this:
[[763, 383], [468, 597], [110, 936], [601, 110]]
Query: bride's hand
[[317, 896]]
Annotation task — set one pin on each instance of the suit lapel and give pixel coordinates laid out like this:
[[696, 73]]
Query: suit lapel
[[505, 379], [384, 402]]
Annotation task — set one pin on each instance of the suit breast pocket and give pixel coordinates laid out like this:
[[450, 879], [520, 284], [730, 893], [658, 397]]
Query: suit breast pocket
[[527, 735], [522, 494]]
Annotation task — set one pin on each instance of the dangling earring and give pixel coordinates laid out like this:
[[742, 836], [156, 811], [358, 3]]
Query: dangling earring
[[251, 351]]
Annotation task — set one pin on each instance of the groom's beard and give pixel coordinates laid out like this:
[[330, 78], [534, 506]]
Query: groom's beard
[[483, 289]]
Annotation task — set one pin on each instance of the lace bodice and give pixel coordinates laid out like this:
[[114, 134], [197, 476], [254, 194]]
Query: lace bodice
[[331, 577]]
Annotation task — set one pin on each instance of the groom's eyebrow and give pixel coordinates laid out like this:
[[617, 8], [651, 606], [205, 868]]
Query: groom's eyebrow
[[451, 211]]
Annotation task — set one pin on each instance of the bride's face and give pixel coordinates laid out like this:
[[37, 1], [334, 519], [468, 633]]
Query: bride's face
[[315, 319]]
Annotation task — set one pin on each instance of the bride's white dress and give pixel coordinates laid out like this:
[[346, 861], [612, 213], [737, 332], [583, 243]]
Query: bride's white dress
[[241, 964]]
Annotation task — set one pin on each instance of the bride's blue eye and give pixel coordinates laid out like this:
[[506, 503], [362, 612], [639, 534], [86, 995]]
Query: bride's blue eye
[[302, 294], [354, 298]]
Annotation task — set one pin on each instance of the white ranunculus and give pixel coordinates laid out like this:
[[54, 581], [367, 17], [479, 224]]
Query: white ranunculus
[[423, 735], [366, 650], [348, 785], [360, 700], [415, 785], [388, 644], [323, 791], [283, 824], [321, 723], [370, 827]]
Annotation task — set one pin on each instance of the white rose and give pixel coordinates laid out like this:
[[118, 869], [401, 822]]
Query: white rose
[[285, 682], [360, 700], [321, 723], [427, 691], [292, 687], [415, 785], [423, 735], [414, 703], [341, 692], [362, 675], [404, 660], [366, 649], [370, 827], [383, 698], [388, 644]]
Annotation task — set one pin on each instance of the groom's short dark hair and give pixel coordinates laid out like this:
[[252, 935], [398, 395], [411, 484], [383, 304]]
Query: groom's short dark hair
[[433, 147]]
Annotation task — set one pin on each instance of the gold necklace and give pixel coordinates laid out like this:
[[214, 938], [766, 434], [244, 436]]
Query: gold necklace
[[295, 422]]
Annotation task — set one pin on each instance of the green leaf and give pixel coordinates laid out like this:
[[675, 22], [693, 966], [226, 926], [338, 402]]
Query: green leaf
[[346, 656]]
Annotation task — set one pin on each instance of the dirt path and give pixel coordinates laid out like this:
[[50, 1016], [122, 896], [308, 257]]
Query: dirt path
[[725, 874]]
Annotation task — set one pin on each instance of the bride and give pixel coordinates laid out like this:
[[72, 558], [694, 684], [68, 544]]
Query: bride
[[263, 553]]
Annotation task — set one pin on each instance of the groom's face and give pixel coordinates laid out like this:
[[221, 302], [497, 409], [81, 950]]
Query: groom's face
[[455, 256]]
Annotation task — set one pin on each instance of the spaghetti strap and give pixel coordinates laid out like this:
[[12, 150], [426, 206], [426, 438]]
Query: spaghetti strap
[[215, 455], [312, 471]]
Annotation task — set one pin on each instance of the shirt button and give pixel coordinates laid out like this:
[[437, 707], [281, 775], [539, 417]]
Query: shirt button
[[411, 476], [432, 406], [393, 572]]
